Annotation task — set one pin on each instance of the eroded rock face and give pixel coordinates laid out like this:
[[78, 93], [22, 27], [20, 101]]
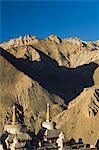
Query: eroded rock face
[[59, 71]]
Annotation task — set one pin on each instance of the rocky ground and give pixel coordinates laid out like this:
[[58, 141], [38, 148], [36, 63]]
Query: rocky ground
[[63, 72]]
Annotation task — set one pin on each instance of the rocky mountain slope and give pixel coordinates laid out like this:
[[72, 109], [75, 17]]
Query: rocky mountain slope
[[81, 118], [63, 72]]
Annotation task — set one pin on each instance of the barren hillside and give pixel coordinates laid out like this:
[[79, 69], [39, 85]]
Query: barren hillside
[[63, 72]]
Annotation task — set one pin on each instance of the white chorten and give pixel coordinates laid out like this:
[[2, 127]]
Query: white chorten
[[60, 141], [13, 128], [48, 124]]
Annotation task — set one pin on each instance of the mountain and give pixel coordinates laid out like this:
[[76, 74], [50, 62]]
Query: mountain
[[63, 72]]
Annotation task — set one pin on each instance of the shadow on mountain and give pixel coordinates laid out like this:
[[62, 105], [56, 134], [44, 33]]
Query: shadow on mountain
[[67, 83], [20, 113]]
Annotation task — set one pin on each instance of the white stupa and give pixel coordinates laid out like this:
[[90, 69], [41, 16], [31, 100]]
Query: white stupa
[[51, 133], [16, 135], [14, 127], [60, 141], [48, 124]]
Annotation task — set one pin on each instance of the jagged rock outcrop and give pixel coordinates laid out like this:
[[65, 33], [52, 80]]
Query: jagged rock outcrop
[[26, 40], [63, 72], [55, 39]]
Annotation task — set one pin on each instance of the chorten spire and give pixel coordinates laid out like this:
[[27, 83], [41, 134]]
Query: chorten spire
[[48, 113], [48, 124], [13, 115]]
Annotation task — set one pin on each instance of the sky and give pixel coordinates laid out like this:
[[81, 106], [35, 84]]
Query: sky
[[43, 18]]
